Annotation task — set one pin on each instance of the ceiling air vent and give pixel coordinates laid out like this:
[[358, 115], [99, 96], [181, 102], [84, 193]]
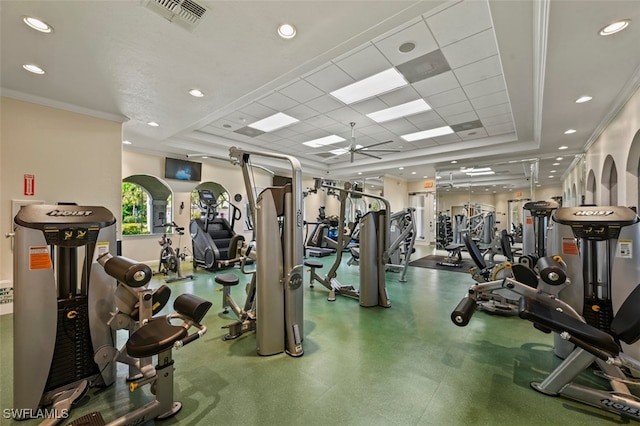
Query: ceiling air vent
[[185, 13]]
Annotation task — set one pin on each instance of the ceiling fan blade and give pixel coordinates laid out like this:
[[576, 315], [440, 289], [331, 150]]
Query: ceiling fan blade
[[372, 145], [368, 155], [379, 150]]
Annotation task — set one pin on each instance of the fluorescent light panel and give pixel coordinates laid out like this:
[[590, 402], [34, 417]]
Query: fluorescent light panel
[[481, 173], [404, 110], [382, 82], [426, 134], [327, 140], [274, 122]]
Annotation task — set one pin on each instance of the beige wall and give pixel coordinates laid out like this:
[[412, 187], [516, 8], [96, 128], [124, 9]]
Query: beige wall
[[396, 191], [74, 158], [620, 141]]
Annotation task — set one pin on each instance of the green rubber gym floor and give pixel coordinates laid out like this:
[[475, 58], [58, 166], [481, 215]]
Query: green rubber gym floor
[[406, 365]]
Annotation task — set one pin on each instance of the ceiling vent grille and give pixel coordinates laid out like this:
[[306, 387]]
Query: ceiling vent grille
[[185, 13]]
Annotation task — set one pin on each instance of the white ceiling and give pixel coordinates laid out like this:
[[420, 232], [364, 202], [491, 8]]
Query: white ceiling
[[512, 71]]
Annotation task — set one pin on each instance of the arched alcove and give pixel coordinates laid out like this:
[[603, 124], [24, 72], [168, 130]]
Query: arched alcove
[[609, 183], [632, 173], [146, 203], [591, 188], [572, 197]]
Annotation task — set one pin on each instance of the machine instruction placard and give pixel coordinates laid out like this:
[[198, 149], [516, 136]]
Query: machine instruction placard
[[625, 249], [39, 258]]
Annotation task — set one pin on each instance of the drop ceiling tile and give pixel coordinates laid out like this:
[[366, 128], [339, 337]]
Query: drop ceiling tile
[[418, 34], [214, 130], [459, 21], [455, 109], [401, 126], [446, 98], [400, 96], [472, 49], [257, 110], [240, 118], [311, 135], [375, 130], [324, 104], [446, 139], [481, 70], [500, 129], [364, 63], [437, 84], [460, 118], [493, 110], [301, 91], [485, 87], [301, 127], [278, 101], [426, 120], [340, 129], [490, 100], [347, 115], [329, 78], [301, 112], [268, 138], [370, 105], [321, 121], [472, 134], [497, 119], [227, 125], [425, 143]]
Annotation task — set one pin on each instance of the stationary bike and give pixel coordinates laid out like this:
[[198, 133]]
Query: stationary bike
[[169, 258]]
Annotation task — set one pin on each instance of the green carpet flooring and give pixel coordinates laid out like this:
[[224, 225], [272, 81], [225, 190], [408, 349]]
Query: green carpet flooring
[[406, 365]]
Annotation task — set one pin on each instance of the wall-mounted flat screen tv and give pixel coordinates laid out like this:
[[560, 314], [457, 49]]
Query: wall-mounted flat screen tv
[[182, 170]]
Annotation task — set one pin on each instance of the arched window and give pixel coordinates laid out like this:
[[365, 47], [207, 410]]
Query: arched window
[[146, 205]]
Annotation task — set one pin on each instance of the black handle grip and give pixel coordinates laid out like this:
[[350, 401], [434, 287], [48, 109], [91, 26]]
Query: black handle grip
[[190, 338], [463, 312]]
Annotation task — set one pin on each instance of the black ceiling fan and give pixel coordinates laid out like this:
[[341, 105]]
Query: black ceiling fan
[[363, 150]]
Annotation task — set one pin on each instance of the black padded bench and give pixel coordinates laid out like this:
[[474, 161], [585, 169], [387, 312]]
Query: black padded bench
[[454, 259]]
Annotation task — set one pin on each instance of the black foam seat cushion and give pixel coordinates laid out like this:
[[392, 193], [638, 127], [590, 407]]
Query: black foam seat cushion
[[227, 279], [154, 337], [313, 263], [559, 322]]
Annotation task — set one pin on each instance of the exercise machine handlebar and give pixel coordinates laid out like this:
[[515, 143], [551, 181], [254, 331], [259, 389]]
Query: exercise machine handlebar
[[125, 270]]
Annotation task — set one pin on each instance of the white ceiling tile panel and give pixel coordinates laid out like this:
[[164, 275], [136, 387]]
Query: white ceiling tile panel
[[329, 78], [301, 91], [241, 118], [227, 125], [493, 110], [490, 100], [481, 70], [400, 96], [427, 120], [425, 143], [257, 110], [500, 129], [460, 118], [278, 101], [375, 130], [369, 106], [437, 84], [325, 104], [485, 87], [455, 109], [497, 119], [321, 121], [284, 133], [364, 63], [446, 98], [472, 134], [460, 21], [401, 126], [472, 49], [301, 127], [340, 129], [447, 139], [214, 130], [311, 135], [418, 34], [269, 138], [346, 115], [301, 112]]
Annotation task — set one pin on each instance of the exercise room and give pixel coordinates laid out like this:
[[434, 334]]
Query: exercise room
[[345, 213]]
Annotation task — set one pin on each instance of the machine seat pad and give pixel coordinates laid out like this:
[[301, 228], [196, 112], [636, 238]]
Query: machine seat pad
[[227, 279], [312, 263], [160, 298], [554, 320], [154, 337], [454, 247]]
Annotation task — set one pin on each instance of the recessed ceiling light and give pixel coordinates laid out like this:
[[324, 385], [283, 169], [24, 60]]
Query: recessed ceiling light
[[33, 68], [424, 177], [615, 27], [204, 156], [555, 164], [287, 31], [559, 159], [553, 171], [407, 47], [454, 162], [37, 24], [403, 110], [327, 140], [377, 84], [359, 173], [570, 131], [273, 122], [551, 177], [400, 168], [583, 99], [426, 134], [413, 173], [126, 143], [153, 124], [196, 93], [563, 147]]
